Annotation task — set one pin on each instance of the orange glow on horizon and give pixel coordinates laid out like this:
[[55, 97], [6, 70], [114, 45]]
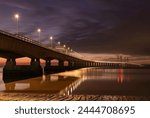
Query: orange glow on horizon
[[20, 61], [26, 61], [2, 61]]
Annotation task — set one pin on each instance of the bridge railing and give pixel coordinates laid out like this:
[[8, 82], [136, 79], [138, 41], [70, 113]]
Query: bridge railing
[[20, 37], [29, 40]]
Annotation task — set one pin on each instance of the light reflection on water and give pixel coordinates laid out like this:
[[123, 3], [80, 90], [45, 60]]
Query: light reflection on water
[[86, 81], [52, 83]]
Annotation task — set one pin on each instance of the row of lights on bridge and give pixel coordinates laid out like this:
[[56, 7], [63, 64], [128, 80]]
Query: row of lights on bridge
[[39, 32]]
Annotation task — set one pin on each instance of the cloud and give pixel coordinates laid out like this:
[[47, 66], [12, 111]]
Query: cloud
[[16, 4], [88, 26]]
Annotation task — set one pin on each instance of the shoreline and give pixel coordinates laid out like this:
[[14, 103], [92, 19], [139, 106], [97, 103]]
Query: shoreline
[[56, 97]]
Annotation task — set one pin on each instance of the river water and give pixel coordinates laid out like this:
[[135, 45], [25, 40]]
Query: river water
[[86, 81]]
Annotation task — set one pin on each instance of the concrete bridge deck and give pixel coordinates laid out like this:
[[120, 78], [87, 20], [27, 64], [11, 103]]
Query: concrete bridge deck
[[14, 46]]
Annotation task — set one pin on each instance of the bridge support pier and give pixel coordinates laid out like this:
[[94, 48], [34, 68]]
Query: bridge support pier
[[70, 65], [86, 64], [13, 72], [35, 66], [48, 69], [90, 64], [10, 64], [77, 64], [61, 63], [48, 63], [48, 66]]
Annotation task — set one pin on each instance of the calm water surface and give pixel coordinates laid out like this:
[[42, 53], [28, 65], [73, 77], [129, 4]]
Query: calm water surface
[[87, 81]]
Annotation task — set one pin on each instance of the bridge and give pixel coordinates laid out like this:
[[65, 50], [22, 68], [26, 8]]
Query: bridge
[[13, 46]]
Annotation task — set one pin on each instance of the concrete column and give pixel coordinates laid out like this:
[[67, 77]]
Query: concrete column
[[99, 64], [91, 64], [94, 64], [70, 63], [48, 63], [36, 68], [9, 70], [107, 64], [77, 64], [61, 63], [73, 63], [10, 63], [83, 64], [86, 64], [110, 64], [35, 62], [22, 71]]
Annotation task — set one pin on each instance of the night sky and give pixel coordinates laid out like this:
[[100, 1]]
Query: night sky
[[88, 26]]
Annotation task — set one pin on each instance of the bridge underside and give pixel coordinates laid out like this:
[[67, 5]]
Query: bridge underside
[[8, 54], [11, 70]]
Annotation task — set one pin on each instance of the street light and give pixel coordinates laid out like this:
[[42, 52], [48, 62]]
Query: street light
[[67, 50], [59, 43], [39, 31], [51, 39], [64, 46], [17, 19]]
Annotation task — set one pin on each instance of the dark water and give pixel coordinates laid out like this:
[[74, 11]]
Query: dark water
[[115, 82], [88, 81]]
